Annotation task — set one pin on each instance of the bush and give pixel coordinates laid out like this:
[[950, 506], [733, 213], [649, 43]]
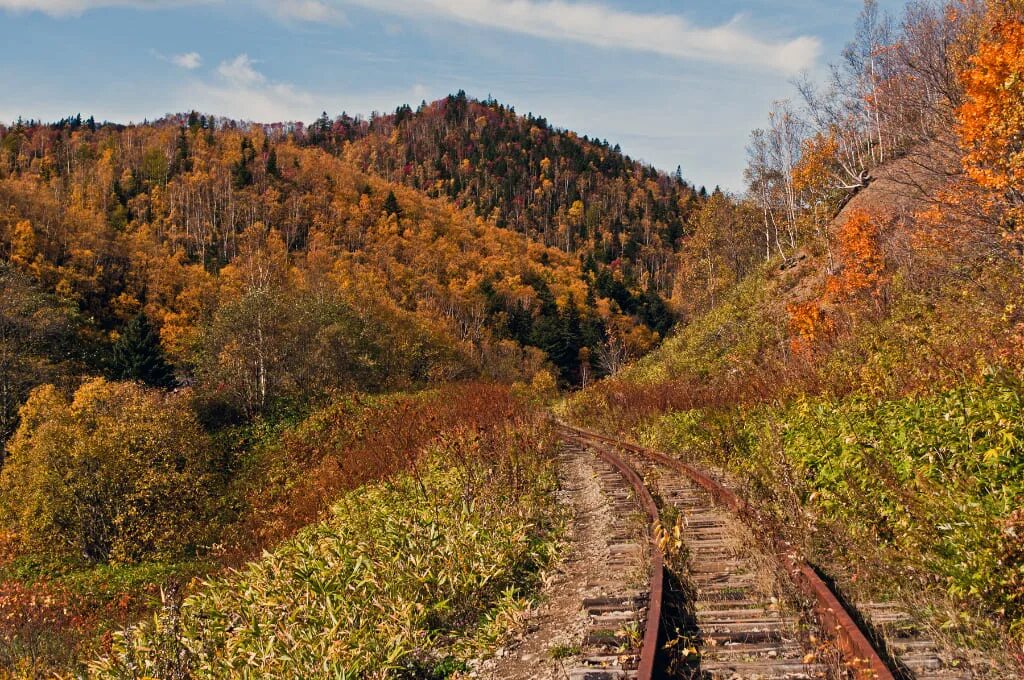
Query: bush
[[120, 473], [39, 342]]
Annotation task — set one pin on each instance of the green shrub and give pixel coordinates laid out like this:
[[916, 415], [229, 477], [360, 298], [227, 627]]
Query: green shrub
[[934, 483], [743, 329], [119, 473]]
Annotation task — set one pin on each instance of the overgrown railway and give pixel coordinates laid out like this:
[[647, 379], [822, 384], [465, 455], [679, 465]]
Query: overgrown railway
[[720, 612]]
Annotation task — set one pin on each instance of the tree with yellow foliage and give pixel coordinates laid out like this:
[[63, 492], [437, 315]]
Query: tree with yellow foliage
[[119, 473]]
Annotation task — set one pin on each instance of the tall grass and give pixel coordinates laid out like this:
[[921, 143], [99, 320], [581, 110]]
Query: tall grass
[[929, 487], [892, 452]]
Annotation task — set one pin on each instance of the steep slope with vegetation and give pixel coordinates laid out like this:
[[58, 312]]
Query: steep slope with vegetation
[[192, 225], [258, 382], [852, 356]]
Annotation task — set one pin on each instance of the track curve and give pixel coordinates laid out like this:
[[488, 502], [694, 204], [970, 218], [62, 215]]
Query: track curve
[[859, 654], [649, 649]]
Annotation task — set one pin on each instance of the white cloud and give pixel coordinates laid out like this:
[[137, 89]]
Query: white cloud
[[602, 26], [581, 21], [317, 11], [240, 72], [60, 8], [305, 10], [189, 60], [238, 89]]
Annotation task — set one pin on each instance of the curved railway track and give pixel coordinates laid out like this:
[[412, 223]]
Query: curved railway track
[[732, 618]]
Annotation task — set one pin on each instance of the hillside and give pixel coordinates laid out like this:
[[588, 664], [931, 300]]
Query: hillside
[[859, 423], [237, 280], [157, 219], [582, 196]]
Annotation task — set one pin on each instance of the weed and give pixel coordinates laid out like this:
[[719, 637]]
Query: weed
[[561, 652]]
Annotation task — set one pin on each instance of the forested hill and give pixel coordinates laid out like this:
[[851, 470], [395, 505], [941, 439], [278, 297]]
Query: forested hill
[[580, 195], [193, 224]]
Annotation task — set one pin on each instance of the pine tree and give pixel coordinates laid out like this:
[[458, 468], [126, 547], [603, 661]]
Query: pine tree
[[592, 328], [655, 313], [181, 161], [571, 340], [137, 355], [391, 206], [272, 162], [545, 332], [241, 175]]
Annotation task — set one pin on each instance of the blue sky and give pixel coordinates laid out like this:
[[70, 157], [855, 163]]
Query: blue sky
[[673, 82]]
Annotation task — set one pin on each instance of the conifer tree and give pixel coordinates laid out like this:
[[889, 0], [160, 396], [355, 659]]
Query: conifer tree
[[241, 175], [181, 161], [546, 329], [391, 206], [571, 341], [272, 169], [137, 355]]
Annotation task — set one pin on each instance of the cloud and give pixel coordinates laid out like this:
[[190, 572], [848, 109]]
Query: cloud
[[581, 21], [313, 11], [240, 72], [189, 60], [237, 88], [598, 25], [61, 8]]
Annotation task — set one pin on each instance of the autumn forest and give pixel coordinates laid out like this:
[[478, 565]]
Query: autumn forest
[[283, 399]]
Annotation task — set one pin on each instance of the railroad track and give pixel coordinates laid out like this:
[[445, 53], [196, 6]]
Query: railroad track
[[622, 599], [733, 619]]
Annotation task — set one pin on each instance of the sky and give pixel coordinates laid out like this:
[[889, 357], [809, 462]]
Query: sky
[[673, 82]]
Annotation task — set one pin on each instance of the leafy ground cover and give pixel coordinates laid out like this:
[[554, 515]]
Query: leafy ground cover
[[892, 453], [919, 492], [406, 578]]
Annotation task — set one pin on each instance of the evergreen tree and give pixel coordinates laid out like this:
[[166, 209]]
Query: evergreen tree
[[391, 206], [571, 340], [272, 169], [520, 324], [241, 175], [137, 355], [655, 313], [592, 328], [546, 329], [181, 161]]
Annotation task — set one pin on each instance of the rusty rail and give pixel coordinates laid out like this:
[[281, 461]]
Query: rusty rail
[[858, 652], [649, 648]]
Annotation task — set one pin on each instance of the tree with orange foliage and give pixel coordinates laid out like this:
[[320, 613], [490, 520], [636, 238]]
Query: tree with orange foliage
[[860, 279], [863, 262], [809, 324], [992, 117]]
